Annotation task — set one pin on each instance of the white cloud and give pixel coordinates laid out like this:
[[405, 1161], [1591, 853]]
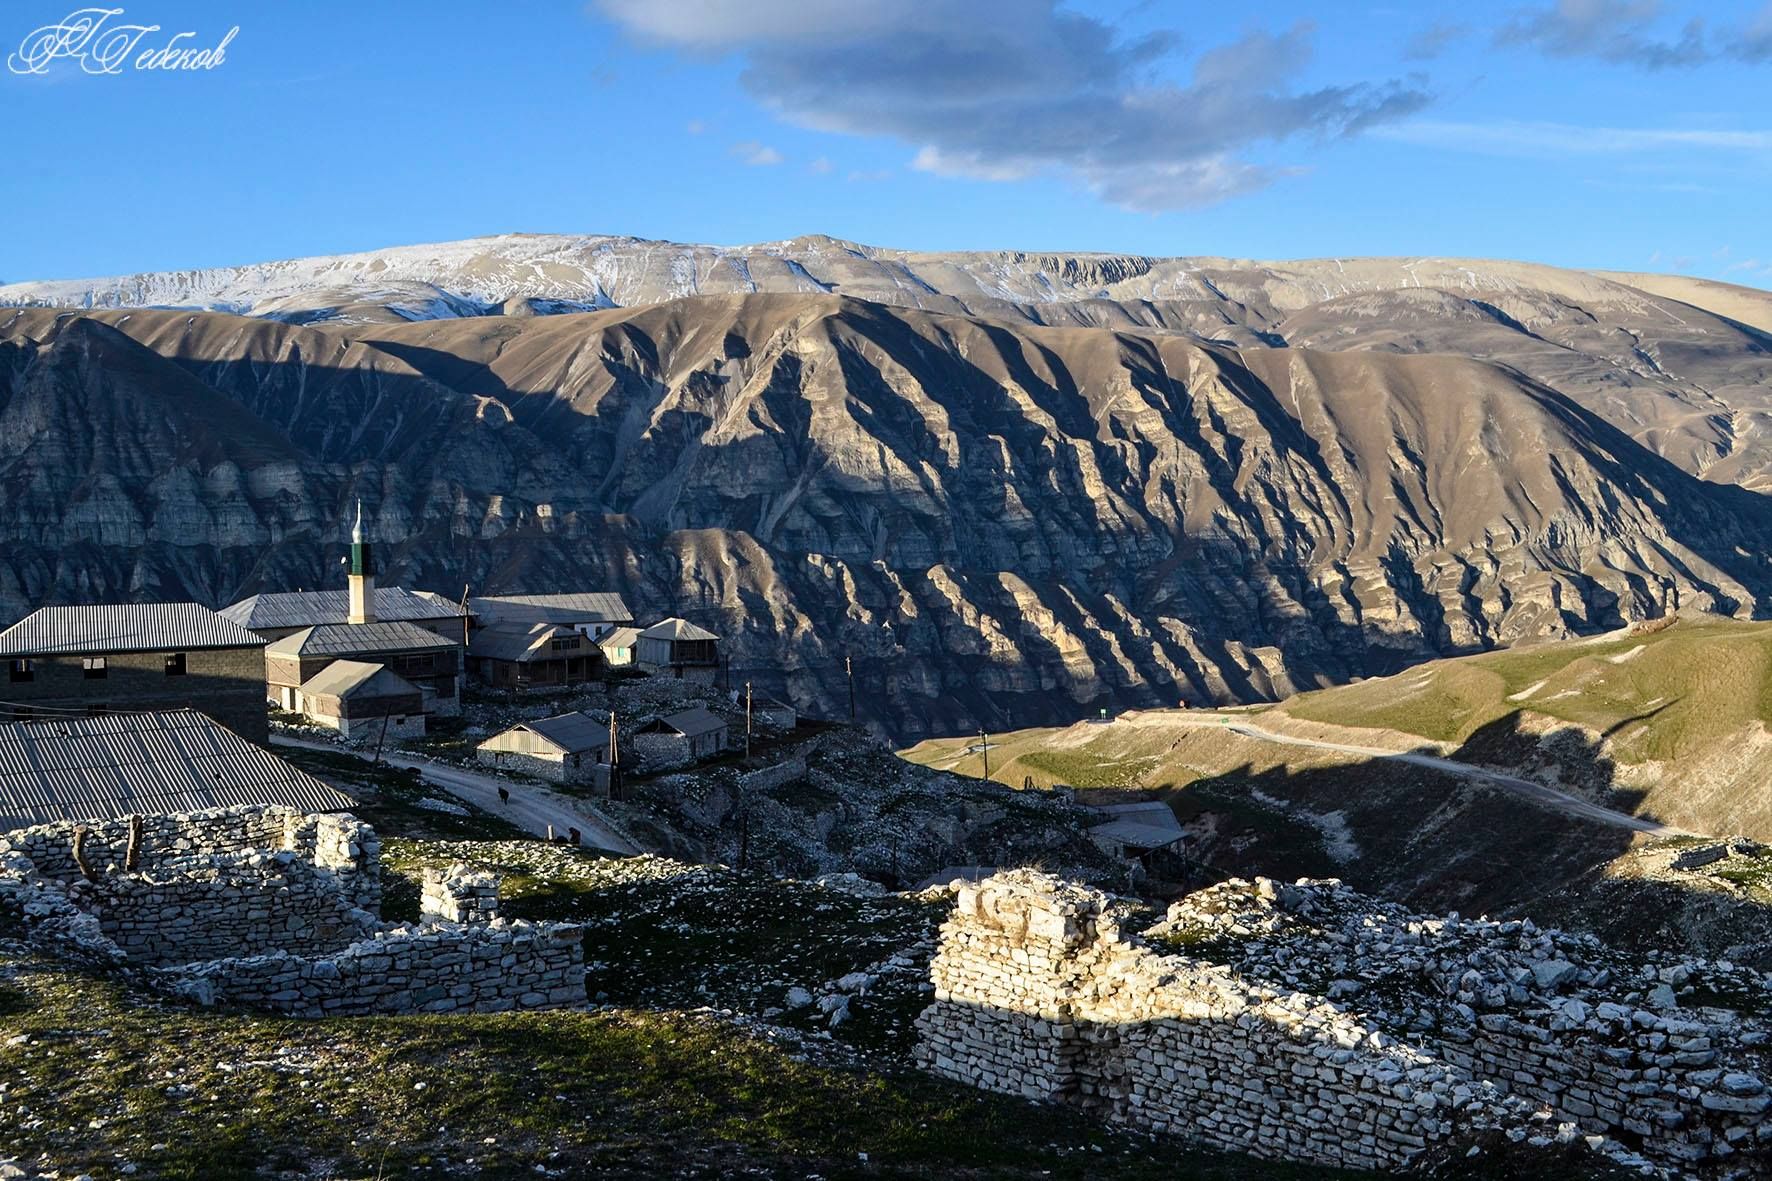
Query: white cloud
[[1635, 32], [1534, 139], [756, 154], [1006, 89]]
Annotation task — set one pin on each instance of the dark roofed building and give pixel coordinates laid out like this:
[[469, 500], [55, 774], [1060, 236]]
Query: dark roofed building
[[360, 699], [109, 767], [680, 648], [428, 660], [618, 644], [528, 656], [590, 612], [680, 738], [566, 748], [275, 616], [123, 657]]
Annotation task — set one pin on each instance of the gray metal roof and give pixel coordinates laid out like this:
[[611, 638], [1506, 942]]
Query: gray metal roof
[[356, 678], [343, 639], [522, 643], [308, 608], [620, 637], [118, 764], [691, 723], [573, 733], [677, 629], [574, 607], [123, 627]]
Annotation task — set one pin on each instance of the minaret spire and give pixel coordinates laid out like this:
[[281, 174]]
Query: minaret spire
[[362, 577]]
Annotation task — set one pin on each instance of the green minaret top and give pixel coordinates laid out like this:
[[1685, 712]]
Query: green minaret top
[[362, 562]]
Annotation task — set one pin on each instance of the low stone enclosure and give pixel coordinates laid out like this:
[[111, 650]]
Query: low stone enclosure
[[270, 908], [1311, 1023]]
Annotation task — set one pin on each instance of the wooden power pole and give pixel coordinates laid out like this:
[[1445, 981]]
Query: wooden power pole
[[985, 739], [849, 671], [747, 719]]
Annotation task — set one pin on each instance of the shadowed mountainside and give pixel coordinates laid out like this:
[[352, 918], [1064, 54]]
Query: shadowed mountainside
[[1001, 522]]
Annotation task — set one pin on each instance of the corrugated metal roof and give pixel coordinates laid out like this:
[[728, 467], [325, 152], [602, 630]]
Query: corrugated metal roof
[[691, 723], [118, 764], [309, 608], [574, 607], [573, 733], [342, 639], [677, 629], [356, 678], [621, 637], [522, 643], [1139, 836], [123, 627]]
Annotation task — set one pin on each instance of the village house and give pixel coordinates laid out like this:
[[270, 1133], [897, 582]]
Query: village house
[[679, 739], [274, 616], [533, 656], [680, 648], [569, 748], [118, 765], [618, 646], [429, 661], [359, 699], [121, 657], [592, 613]]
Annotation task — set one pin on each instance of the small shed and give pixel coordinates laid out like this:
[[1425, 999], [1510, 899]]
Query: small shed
[[680, 648], [769, 711], [567, 748], [358, 698], [619, 646], [679, 739]]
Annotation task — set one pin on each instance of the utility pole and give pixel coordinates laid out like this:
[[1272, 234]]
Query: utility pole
[[747, 719], [849, 671], [986, 748], [614, 761]]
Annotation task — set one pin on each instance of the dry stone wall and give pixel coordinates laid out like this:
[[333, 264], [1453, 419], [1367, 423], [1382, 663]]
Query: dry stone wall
[[1294, 1039], [270, 908]]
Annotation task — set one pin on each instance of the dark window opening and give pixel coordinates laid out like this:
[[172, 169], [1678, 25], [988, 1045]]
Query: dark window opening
[[175, 664], [95, 668], [23, 670]]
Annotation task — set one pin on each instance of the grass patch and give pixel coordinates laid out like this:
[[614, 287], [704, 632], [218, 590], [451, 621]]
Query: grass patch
[[1083, 768]]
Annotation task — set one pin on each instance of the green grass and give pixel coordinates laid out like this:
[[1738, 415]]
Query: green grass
[[1084, 768]]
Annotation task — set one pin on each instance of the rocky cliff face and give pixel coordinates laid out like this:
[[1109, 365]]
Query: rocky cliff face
[[1001, 520]]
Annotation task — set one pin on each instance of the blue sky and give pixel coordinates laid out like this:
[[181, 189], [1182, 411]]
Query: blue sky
[[1591, 133]]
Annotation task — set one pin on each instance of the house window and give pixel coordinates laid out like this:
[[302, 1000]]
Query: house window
[[564, 645], [175, 664], [95, 667], [23, 670]]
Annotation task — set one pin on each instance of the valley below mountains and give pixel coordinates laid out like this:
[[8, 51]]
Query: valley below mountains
[[1015, 489]]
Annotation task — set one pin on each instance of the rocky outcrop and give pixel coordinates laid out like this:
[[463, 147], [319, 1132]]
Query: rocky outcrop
[[996, 523]]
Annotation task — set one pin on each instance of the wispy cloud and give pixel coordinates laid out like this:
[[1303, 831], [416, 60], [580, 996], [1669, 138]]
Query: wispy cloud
[[1434, 40], [757, 155], [1636, 33], [1535, 139], [1008, 89], [820, 166]]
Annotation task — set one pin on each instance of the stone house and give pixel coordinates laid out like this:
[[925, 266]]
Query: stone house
[[431, 662], [71, 661], [618, 646], [680, 648], [117, 765], [768, 711], [568, 748], [360, 699], [532, 656], [679, 739], [592, 613]]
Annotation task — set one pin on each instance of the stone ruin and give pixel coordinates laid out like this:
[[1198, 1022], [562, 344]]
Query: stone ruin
[[270, 908], [1311, 1023]]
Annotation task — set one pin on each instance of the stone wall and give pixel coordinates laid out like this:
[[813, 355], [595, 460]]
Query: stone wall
[[271, 908], [1039, 993]]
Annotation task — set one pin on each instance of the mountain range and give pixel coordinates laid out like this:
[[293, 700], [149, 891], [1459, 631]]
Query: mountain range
[[1013, 487]]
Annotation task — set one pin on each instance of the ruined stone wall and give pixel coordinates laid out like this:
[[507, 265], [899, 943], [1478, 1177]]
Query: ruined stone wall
[[1038, 993], [436, 969], [459, 894]]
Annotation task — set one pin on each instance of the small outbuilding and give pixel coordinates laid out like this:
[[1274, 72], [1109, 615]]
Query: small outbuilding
[[679, 739], [779, 715], [680, 648], [619, 646], [568, 748], [360, 699]]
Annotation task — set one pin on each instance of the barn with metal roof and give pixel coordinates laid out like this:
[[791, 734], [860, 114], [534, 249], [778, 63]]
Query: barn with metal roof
[[118, 765]]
